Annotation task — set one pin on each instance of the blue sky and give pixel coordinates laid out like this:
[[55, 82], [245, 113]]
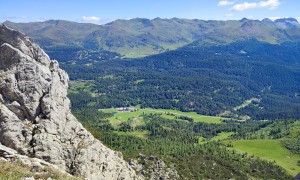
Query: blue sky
[[102, 11]]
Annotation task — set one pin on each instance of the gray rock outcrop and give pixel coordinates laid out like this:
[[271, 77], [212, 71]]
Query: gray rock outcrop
[[35, 166], [35, 118], [153, 168]]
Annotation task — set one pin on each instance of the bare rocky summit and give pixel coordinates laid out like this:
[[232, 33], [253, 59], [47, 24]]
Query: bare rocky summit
[[35, 116]]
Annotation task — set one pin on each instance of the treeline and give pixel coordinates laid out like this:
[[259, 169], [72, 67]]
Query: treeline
[[292, 144]]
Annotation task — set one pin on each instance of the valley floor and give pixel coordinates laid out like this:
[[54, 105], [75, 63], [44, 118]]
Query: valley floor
[[271, 150], [123, 116]]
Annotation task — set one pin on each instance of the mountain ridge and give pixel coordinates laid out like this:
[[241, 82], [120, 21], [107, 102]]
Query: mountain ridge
[[141, 37]]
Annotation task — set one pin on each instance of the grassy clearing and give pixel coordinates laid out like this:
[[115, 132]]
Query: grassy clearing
[[271, 150], [82, 86], [17, 170], [139, 81], [221, 136], [132, 117], [136, 121], [194, 115], [139, 52], [120, 117], [246, 103]]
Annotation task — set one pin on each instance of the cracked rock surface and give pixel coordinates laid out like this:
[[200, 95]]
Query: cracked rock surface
[[35, 116]]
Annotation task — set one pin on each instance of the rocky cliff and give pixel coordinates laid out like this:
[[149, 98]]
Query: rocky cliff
[[35, 116]]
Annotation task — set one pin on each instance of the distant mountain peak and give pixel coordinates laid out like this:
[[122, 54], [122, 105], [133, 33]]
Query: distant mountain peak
[[244, 20], [287, 23], [140, 19], [157, 18], [7, 21], [286, 20], [267, 20]]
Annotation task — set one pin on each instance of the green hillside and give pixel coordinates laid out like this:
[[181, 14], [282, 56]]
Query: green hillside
[[55, 32], [141, 37], [271, 150]]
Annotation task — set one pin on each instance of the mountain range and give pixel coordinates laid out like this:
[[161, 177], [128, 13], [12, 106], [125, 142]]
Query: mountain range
[[141, 37]]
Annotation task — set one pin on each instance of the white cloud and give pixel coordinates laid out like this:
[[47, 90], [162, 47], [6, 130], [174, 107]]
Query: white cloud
[[271, 4], [229, 15], [244, 6], [225, 3], [91, 19], [42, 19], [275, 18]]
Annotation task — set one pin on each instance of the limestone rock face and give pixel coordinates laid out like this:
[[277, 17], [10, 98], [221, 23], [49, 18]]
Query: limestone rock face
[[35, 116]]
